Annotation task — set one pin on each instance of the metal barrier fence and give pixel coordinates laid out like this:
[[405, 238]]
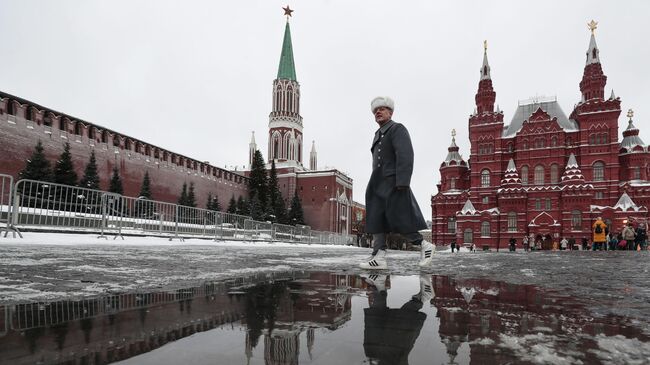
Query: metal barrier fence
[[51, 206], [6, 205]]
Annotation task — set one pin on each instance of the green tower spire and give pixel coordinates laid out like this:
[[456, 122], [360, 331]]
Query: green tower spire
[[287, 69]]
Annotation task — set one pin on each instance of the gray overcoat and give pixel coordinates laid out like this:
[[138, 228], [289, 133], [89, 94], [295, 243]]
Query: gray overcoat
[[389, 210]]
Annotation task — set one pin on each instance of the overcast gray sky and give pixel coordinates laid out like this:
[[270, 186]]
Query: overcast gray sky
[[195, 77]]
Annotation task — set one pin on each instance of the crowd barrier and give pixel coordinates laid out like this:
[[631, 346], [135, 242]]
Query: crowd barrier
[[39, 205]]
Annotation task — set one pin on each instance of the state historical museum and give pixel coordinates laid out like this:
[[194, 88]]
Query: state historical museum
[[544, 175]]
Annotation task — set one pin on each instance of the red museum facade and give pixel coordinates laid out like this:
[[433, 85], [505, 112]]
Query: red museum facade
[[543, 175]]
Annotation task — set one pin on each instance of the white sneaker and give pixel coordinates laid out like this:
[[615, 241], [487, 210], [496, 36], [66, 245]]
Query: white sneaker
[[377, 262], [427, 250], [426, 289], [378, 281]]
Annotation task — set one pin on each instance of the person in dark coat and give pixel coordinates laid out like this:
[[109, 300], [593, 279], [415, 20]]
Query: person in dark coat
[[390, 204], [513, 244], [390, 333]]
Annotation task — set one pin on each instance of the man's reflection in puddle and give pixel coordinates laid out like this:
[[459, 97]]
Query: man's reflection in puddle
[[390, 333]]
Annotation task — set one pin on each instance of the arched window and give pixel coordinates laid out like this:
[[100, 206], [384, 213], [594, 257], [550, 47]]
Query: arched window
[[525, 144], [603, 138], [451, 225], [554, 173], [548, 204], [554, 141], [538, 204], [524, 175], [452, 183], [510, 148], [539, 175], [512, 222], [485, 178], [485, 229], [599, 171], [468, 236], [576, 220]]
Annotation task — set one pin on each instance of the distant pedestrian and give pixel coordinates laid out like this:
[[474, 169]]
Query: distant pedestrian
[[513, 244], [629, 235], [453, 246], [564, 244], [599, 235], [524, 243], [641, 237], [585, 243]]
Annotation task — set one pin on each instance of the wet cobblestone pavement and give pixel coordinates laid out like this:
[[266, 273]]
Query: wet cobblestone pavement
[[261, 303]]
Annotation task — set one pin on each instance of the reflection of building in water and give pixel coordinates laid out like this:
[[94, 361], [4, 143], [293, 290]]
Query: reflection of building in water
[[482, 313], [107, 329], [314, 301]]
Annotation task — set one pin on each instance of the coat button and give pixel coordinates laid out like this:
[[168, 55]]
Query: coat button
[[379, 150], [378, 165], [379, 157]]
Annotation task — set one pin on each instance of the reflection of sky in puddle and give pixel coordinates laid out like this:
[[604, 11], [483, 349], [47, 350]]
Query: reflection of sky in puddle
[[322, 318]]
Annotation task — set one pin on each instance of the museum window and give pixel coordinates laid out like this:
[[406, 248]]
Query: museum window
[[485, 229], [554, 174], [599, 171], [452, 183], [538, 204], [525, 144], [451, 225], [524, 175], [539, 175], [553, 141], [485, 178], [548, 204], [468, 236], [510, 148], [636, 173], [512, 222], [599, 195], [486, 200], [576, 220]]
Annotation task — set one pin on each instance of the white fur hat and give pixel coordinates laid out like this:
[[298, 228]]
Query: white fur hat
[[382, 101]]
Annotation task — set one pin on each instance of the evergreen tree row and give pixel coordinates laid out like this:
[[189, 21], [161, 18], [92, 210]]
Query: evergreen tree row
[[266, 202]]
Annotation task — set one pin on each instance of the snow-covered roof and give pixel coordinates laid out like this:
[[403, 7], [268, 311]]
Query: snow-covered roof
[[526, 109], [468, 208], [625, 202], [631, 137]]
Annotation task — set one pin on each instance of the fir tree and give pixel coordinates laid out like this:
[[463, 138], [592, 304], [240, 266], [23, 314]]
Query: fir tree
[[242, 206], [216, 206], [64, 169], [183, 198], [232, 206], [256, 209], [209, 202], [296, 215], [37, 166], [191, 197], [145, 189], [257, 183], [116, 182], [213, 203], [276, 207], [90, 179], [144, 207], [116, 187]]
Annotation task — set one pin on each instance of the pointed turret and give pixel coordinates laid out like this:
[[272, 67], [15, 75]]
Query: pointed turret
[[313, 161], [631, 137], [452, 155], [511, 177], [252, 147], [572, 173], [593, 81], [485, 96], [287, 69]]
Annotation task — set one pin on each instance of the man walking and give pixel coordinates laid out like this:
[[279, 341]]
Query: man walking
[[390, 204]]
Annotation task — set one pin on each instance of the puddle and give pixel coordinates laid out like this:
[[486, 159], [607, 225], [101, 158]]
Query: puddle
[[324, 318]]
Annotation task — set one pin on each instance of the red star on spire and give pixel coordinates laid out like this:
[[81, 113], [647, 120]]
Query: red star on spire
[[287, 11]]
